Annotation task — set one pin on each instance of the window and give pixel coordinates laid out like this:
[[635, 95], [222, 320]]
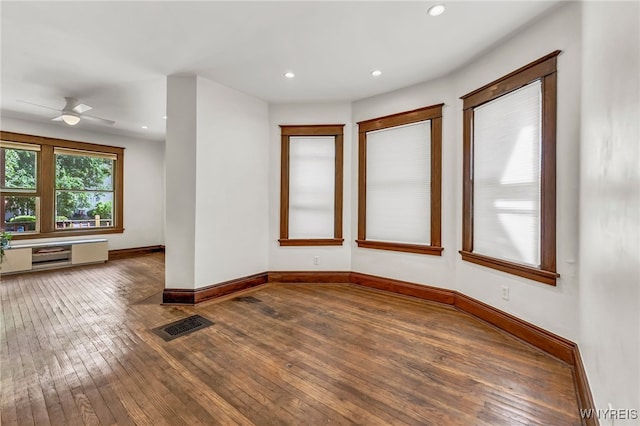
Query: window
[[399, 185], [311, 185], [19, 202], [54, 187], [509, 173]]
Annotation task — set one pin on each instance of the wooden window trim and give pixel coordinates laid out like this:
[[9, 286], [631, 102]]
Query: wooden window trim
[[433, 113], [46, 184], [336, 130], [543, 69]]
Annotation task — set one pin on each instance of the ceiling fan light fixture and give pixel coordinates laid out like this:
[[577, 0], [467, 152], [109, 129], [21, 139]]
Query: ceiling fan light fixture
[[70, 119]]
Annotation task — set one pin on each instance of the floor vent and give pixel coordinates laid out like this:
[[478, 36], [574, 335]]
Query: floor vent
[[180, 328], [247, 299]]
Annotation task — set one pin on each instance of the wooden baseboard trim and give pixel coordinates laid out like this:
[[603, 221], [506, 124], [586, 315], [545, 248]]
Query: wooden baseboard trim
[[583, 391], [542, 339], [199, 295], [551, 343], [135, 251], [309, 276], [548, 342], [420, 291]]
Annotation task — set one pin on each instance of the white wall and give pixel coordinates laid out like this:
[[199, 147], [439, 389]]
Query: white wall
[[143, 180], [180, 166], [332, 258], [231, 210], [553, 308], [610, 204]]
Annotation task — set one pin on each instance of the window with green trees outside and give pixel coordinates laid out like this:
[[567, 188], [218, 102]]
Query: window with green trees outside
[[53, 187]]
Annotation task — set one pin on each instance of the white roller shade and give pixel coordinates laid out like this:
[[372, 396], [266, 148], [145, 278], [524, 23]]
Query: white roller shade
[[19, 145], [82, 153], [506, 176], [399, 184], [311, 186]]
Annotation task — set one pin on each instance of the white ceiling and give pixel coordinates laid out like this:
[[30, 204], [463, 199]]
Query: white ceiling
[[115, 56]]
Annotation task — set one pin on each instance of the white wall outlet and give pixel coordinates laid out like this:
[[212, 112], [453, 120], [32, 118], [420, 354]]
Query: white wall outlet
[[505, 292], [316, 260]]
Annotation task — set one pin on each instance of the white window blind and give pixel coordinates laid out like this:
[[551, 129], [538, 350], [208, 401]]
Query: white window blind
[[399, 184], [506, 176], [311, 186]]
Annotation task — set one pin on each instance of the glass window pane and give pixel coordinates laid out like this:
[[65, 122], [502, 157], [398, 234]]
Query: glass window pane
[[19, 213], [80, 172], [311, 186], [506, 176], [19, 168], [399, 184], [84, 209]]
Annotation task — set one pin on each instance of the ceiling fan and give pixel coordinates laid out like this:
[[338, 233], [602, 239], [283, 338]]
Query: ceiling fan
[[73, 112]]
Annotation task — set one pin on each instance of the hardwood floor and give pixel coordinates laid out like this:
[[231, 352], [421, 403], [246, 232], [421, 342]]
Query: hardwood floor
[[76, 348]]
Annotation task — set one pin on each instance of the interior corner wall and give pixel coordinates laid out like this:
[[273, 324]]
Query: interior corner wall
[[553, 308], [143, 180], [610, 205], [231, 205], [331, 258]]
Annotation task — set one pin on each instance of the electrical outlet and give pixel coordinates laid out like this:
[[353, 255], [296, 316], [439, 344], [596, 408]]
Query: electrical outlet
[[316, 260], [505, 292]]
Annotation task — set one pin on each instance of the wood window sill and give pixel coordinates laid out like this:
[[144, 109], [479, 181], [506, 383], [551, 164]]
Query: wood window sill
[[403, 247], [545, 277], [311, 242]]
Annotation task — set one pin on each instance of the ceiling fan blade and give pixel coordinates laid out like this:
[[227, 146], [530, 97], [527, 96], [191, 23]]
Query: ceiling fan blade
[[58, 118], [41, 106], [80, 108], [97, 119]]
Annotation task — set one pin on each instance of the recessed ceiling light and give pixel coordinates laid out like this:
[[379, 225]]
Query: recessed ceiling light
[[436, 10], [165, 117], [289, 74], [144, 127], [376, 73]]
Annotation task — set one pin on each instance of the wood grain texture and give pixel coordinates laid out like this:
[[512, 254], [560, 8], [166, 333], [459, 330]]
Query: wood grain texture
[[311, 129], [549, 342], [309, 276], [134, 251], [543, 69], [512, 81], [436, 181], [335, 130], [311, 242], [403, 247], [362, 186], [529, 272], [548, 176], [401, 118], [284, 187], [583, 391], [434, 114], [77, 349], [420, 291], [467, 181], [46, 185], [338, 186], [202, 294], [64, 143]]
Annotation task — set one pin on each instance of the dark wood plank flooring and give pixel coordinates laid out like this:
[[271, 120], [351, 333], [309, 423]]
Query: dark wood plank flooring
[[76, 348]]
